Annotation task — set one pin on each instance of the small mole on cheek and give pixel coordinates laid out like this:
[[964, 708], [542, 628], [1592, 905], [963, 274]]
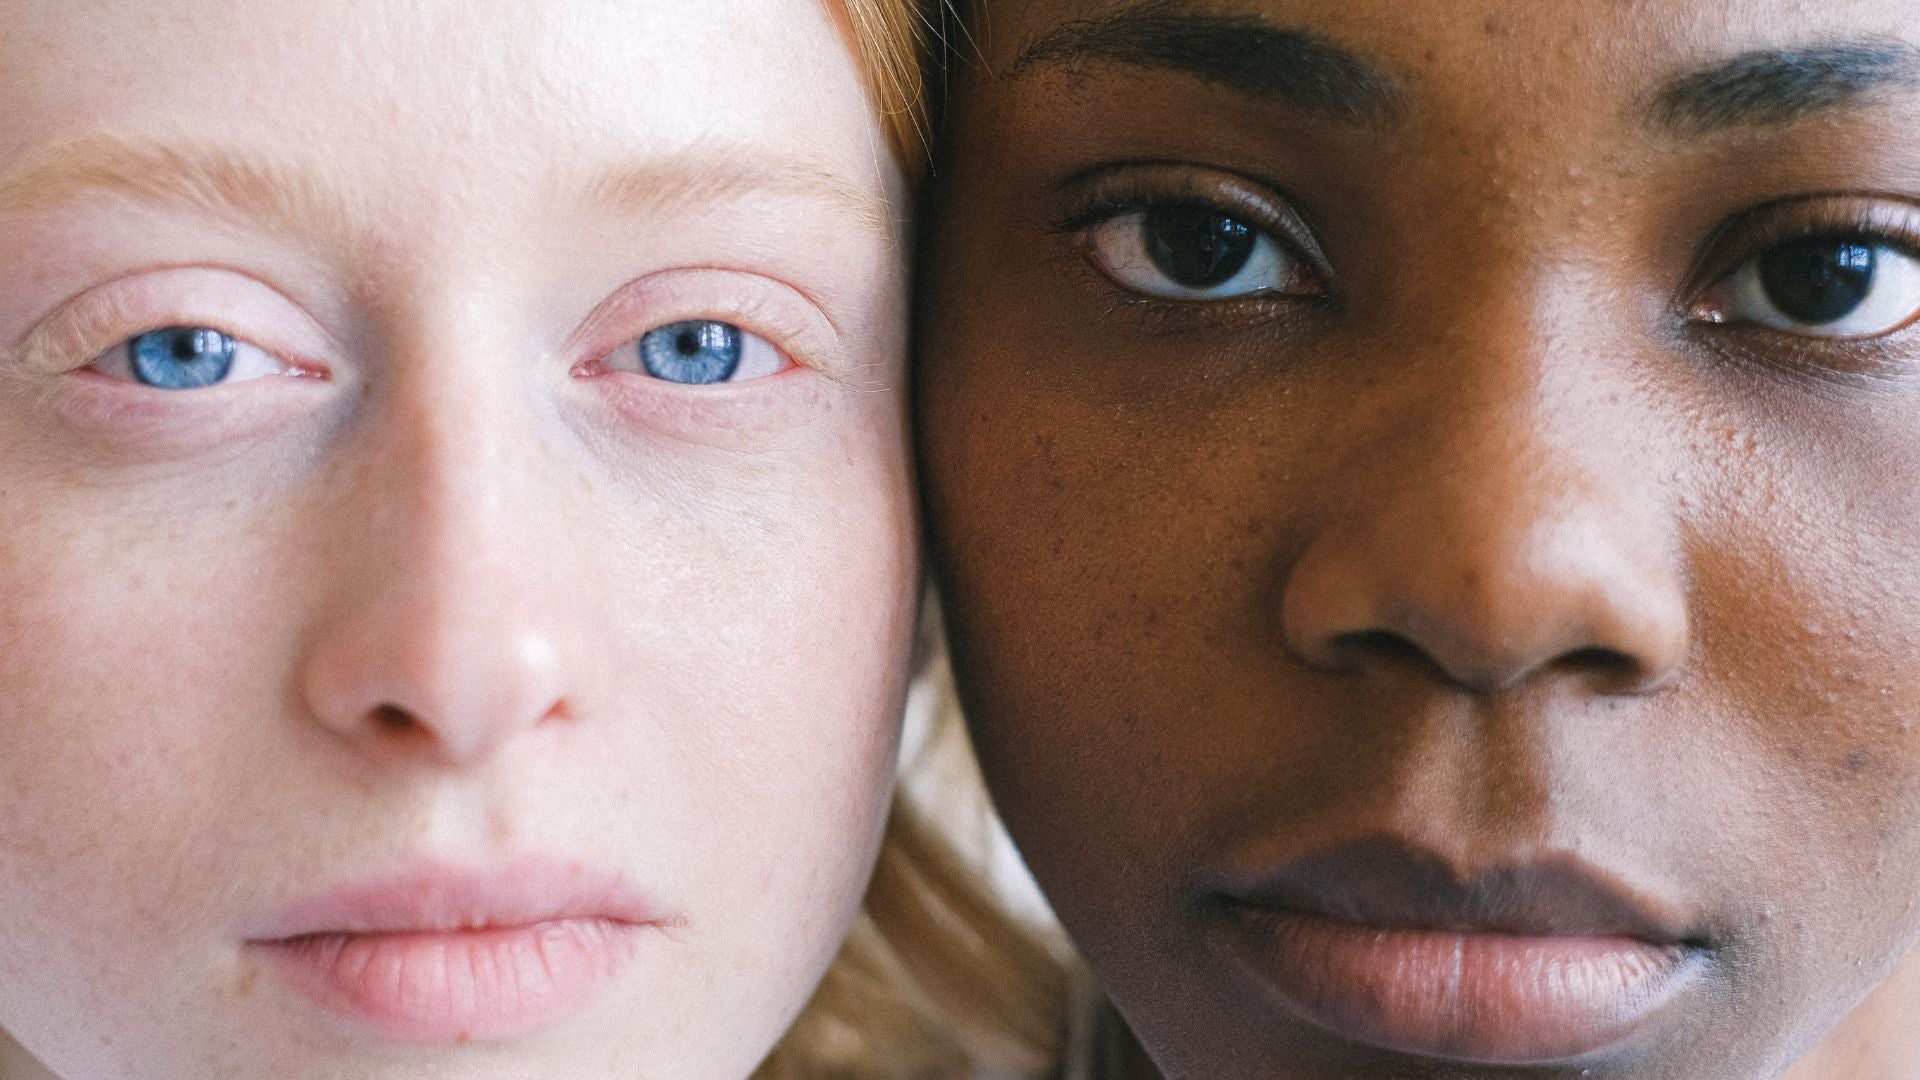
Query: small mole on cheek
[[1856, 762]]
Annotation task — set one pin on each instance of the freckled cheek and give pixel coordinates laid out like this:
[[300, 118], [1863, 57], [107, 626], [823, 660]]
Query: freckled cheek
[[123, 663], [772, 661]]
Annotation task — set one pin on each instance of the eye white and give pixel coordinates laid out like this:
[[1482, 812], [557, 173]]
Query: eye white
[[1119, 246], [1891, 301]]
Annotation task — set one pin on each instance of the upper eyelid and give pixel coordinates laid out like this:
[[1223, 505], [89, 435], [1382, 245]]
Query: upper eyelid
[[688, 293], [1111, 190], [1749, 233], [115, 309]]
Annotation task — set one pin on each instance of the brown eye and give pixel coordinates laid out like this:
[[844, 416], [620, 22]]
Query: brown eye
[[1821, 286], [1191, 251]]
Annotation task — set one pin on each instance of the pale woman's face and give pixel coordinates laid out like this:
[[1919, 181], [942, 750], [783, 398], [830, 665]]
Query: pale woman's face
[[455, 540]]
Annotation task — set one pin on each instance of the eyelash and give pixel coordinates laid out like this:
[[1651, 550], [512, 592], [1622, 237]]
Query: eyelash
[[1114, 193], [1837, 216], [794, 326], [111, 314]]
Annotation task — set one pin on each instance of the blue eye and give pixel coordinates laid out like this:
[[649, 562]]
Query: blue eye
[[700, 352], [181, 357], [692, 352], [187, 358]]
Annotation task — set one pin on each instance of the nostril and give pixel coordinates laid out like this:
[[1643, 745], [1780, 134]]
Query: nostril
[[394, 718], [1610, 667], [1362, 648]]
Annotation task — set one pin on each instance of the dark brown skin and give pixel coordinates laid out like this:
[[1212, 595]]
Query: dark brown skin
[[1475, 532]]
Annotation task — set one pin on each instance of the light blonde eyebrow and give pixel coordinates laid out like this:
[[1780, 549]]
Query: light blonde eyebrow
[[230, 184], [713, 171], [205, 179]]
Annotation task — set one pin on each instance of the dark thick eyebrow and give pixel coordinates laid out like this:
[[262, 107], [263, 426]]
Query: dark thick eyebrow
[[1239, 52], [1779, 86]]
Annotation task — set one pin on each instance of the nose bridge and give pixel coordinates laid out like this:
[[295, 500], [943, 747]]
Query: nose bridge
[[1496, 519], [447, 631]]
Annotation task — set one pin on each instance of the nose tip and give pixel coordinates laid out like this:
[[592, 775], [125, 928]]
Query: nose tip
[[1487, 604], [429, 694]]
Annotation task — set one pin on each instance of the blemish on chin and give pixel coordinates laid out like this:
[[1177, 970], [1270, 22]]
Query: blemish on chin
[[1856, 762]]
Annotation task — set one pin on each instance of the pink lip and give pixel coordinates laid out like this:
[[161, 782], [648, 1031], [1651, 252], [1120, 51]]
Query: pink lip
[[445, 954]]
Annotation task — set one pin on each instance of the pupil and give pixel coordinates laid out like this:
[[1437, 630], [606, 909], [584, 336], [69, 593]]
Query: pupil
[[1197, 246], [688, 342], [1819, 279]]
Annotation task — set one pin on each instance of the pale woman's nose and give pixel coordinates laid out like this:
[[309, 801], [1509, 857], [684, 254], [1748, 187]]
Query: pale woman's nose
[[1495, 557], [449, 633]]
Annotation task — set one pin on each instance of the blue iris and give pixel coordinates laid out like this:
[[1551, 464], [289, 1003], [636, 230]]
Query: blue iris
[[697, 352], [181, 357]]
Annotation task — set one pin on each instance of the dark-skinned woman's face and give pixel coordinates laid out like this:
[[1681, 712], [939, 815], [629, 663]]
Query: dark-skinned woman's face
[[1428, 499]]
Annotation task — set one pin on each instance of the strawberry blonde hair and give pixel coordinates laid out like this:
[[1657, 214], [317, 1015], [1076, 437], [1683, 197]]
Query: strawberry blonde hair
[[936, 981]]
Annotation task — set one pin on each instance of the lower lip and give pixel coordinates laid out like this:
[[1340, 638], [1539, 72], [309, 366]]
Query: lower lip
[[450, 987], [1481, 998]]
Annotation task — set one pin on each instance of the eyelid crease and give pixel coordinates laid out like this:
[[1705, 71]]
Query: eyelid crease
[[84, 326], [1111, 191], [687, 294], [1888, 219]]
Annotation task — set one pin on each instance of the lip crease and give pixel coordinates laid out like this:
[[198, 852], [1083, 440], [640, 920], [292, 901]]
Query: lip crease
[[436, 953], [1543, 961]]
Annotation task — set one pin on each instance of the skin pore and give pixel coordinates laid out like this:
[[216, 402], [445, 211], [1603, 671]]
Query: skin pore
[[452, 464], [1424, 498]]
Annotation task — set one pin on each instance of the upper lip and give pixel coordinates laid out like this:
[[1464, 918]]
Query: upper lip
[[430, 897], [1381, 882]]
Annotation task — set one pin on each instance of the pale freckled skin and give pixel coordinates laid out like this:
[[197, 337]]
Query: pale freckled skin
[[452, 581], [1497, 546]]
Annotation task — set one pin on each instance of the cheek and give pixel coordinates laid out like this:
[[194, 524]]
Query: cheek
[[125, 657], [763, 645], [1807, 610]]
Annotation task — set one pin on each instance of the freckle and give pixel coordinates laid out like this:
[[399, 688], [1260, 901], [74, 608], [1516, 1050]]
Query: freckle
[[243, 985], [1856, 763]]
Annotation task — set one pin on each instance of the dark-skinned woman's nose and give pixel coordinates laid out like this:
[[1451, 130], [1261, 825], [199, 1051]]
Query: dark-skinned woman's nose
[[1495, 551]]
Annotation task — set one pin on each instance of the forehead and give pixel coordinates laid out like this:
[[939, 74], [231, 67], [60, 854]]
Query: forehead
[[409, 89]]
